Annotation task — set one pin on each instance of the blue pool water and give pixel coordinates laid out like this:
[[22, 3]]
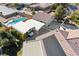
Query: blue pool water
[[17, 20], [70, 27]]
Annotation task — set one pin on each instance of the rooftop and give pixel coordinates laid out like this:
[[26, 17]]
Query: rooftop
[[23, 27], [73, 34], [70, 34], [7, 11], [42, 5], [42, 16], [70, 41]]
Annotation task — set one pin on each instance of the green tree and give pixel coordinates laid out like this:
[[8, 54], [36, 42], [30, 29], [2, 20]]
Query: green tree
[[54, 6], [8, 43], [6, 38], [18, 35], [59, 13], [0, 24], [4, 42], [33, 12], [65, 5], [3, 34], [1, 43]]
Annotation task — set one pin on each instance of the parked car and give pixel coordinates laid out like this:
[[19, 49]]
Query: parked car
[[20, 6]]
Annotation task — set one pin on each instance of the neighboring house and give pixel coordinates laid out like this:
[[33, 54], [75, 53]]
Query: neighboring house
[[28, 4], [7, 12], [54, 43], [21, 14], [34, 7], [43, 17], [40, 6], [69, 40], [45, 44], [45, 5]]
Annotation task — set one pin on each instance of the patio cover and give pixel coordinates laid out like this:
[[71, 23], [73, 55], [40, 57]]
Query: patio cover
[[24, 27]]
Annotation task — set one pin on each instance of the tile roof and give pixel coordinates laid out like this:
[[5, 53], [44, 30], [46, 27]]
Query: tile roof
[[42, 16], [72, 38], [69, 51], [64, 33], [70, 34], [73, 34]]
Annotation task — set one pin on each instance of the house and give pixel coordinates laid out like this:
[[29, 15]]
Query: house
[[6, 12], [34, 7], [20, 14], [54, 43], [40, 6], [45, 45], [43, 17], [45, 5], [69, 40], [25, 26]]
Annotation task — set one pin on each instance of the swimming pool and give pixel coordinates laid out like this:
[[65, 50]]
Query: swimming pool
[[17, 20], [69, 27]]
